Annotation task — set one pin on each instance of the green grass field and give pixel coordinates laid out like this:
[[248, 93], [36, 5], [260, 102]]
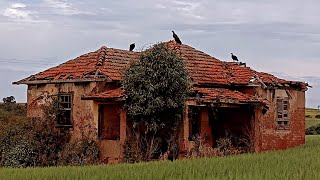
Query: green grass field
[[310, 121], [297, 163]]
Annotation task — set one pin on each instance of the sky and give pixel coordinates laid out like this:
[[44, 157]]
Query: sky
[[281, 37]]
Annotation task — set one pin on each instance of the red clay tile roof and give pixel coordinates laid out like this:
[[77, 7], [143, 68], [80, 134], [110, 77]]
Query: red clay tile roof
[[205, 69], [109, 64], [201, 67], [103, 63], [109, 94], [223, 95], [242, 75]]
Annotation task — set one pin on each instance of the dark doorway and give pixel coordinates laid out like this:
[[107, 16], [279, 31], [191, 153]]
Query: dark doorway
[[109, 121], [234, 123]]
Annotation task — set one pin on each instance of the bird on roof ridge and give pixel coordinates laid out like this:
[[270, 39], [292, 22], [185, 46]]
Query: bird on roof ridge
[[234, 58], [176, 38], [132, 46], [103, 47]]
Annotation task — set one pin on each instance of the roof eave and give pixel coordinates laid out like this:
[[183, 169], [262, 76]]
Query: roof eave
[[230, 101], [34, 82], [103, 99]]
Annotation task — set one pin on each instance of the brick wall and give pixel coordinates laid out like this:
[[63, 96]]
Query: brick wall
[[271, 138]]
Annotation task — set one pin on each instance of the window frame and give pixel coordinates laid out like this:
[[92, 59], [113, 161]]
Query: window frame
[[282, 113], [70, 95]]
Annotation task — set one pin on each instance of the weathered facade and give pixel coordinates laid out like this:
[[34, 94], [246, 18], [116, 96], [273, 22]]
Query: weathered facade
[[228, 98]]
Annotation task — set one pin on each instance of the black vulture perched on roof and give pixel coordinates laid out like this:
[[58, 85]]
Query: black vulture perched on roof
[[234, 58], [132, 46], [176, 38]]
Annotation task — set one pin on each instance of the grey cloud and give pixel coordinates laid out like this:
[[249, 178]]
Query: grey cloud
[[64, 7], [20, 12]]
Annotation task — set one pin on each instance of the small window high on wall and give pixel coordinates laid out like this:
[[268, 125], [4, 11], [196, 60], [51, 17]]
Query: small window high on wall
[[64, 116], [282, 119]]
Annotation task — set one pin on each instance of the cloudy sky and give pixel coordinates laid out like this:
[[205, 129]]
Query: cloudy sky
[[276, 36]]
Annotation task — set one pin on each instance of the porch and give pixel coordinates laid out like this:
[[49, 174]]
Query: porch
[[212, 113]]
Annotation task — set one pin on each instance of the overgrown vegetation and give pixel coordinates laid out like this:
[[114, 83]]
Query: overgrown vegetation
[[225, 146], [38, 142], [12, 128], [297, 163], [84, 149], [157, 87], [11, 112]]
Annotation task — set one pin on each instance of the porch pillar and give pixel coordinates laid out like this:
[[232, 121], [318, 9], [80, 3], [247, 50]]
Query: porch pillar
[[257, 128], [184, 131], [123, 126]]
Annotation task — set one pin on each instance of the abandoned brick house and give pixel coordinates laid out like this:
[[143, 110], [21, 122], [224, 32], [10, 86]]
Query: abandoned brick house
[[227, 98]]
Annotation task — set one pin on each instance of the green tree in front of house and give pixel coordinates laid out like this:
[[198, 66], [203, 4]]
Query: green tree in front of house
[[156, 88]]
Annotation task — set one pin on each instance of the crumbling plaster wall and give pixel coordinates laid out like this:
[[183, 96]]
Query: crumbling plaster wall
[[84, 112], [38, 95]]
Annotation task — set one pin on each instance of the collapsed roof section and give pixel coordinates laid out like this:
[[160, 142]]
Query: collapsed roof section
[[223, 95], [108, 64], [113, 94]]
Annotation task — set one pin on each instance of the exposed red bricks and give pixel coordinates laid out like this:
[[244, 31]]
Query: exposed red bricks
[[272, 139]]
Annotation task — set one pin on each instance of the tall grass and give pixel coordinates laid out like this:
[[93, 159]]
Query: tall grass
[[298, 163]]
